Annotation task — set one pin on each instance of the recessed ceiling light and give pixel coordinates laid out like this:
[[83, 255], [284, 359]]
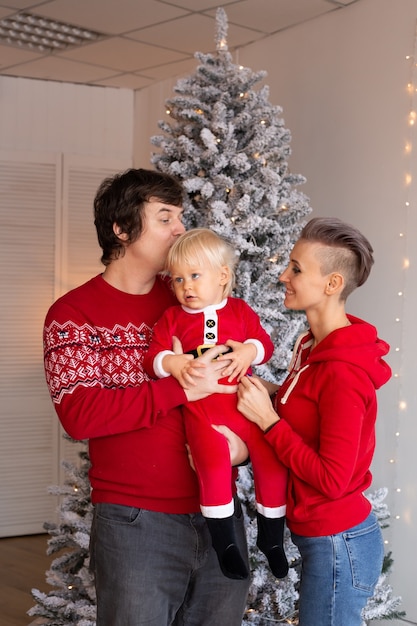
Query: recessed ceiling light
[[41, 34]]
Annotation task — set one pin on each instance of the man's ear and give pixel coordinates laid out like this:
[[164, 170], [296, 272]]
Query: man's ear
[[335, 283], [119, 232]]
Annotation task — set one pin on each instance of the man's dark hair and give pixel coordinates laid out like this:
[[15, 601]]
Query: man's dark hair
[[120, 200]]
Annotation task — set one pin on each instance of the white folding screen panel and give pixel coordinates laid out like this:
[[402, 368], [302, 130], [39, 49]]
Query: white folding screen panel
[[30, 187], [48, 246]]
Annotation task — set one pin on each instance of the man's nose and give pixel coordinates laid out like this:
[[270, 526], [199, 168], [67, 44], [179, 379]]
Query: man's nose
[[179, 228]]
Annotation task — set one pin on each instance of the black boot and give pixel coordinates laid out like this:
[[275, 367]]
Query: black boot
[[224, 542], [271, 542]]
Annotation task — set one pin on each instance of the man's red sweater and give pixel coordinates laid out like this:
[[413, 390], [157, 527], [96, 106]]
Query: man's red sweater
[[95, 338]]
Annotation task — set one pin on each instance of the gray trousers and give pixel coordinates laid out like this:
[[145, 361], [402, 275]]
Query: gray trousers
[[158, 569]]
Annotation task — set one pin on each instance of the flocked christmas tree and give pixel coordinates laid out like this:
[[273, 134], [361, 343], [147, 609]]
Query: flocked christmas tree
[[230, 148]]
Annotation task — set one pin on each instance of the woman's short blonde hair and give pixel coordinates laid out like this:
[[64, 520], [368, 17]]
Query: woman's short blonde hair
[[202, 247]]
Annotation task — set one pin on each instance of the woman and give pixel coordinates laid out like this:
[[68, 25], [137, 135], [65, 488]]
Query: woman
[[322, 424]]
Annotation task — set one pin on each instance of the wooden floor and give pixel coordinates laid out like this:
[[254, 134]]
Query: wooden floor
[[23, 563]]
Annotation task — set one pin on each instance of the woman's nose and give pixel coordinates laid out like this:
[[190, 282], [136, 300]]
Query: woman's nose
[[283, 277]]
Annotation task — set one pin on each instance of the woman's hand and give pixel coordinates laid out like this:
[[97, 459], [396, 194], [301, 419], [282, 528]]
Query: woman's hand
[[254, 403]]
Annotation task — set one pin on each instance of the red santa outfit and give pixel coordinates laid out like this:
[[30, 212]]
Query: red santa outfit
[[198, 330], [326, 435], [95, 338]]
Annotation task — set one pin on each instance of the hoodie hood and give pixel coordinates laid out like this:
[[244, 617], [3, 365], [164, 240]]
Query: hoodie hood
[[357, 344]]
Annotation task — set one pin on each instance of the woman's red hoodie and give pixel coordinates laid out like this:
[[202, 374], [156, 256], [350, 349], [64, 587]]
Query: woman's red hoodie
[[326, 435]]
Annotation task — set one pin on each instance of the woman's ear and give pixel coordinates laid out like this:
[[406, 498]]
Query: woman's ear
[[335, 283]]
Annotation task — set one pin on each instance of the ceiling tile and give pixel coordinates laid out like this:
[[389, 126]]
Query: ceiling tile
[[270, 17], [172, 70], [127, 81], [12, 55], [122, 54], [4, 12], [110, 16], [53, 68], [193, 33], [203, 5], [17, 5]]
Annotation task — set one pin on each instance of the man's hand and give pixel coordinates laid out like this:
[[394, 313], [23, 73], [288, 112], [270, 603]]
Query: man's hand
[[206, 381], [238, 450], [181, 367]]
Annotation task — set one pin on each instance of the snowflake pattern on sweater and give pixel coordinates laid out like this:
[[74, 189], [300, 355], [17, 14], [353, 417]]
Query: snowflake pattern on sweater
[[89, 356]]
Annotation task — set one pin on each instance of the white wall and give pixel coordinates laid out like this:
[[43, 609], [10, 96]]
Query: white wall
[[38, 115], [342, 82], [149, 109]]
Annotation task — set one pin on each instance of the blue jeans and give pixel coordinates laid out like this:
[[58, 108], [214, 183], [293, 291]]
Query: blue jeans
[[160, 569], [338, 574]]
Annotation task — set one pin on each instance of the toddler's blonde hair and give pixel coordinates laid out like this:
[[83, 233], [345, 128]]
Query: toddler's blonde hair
[[202, 247]]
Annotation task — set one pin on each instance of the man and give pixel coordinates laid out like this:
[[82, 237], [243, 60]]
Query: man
[[151, 550]]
